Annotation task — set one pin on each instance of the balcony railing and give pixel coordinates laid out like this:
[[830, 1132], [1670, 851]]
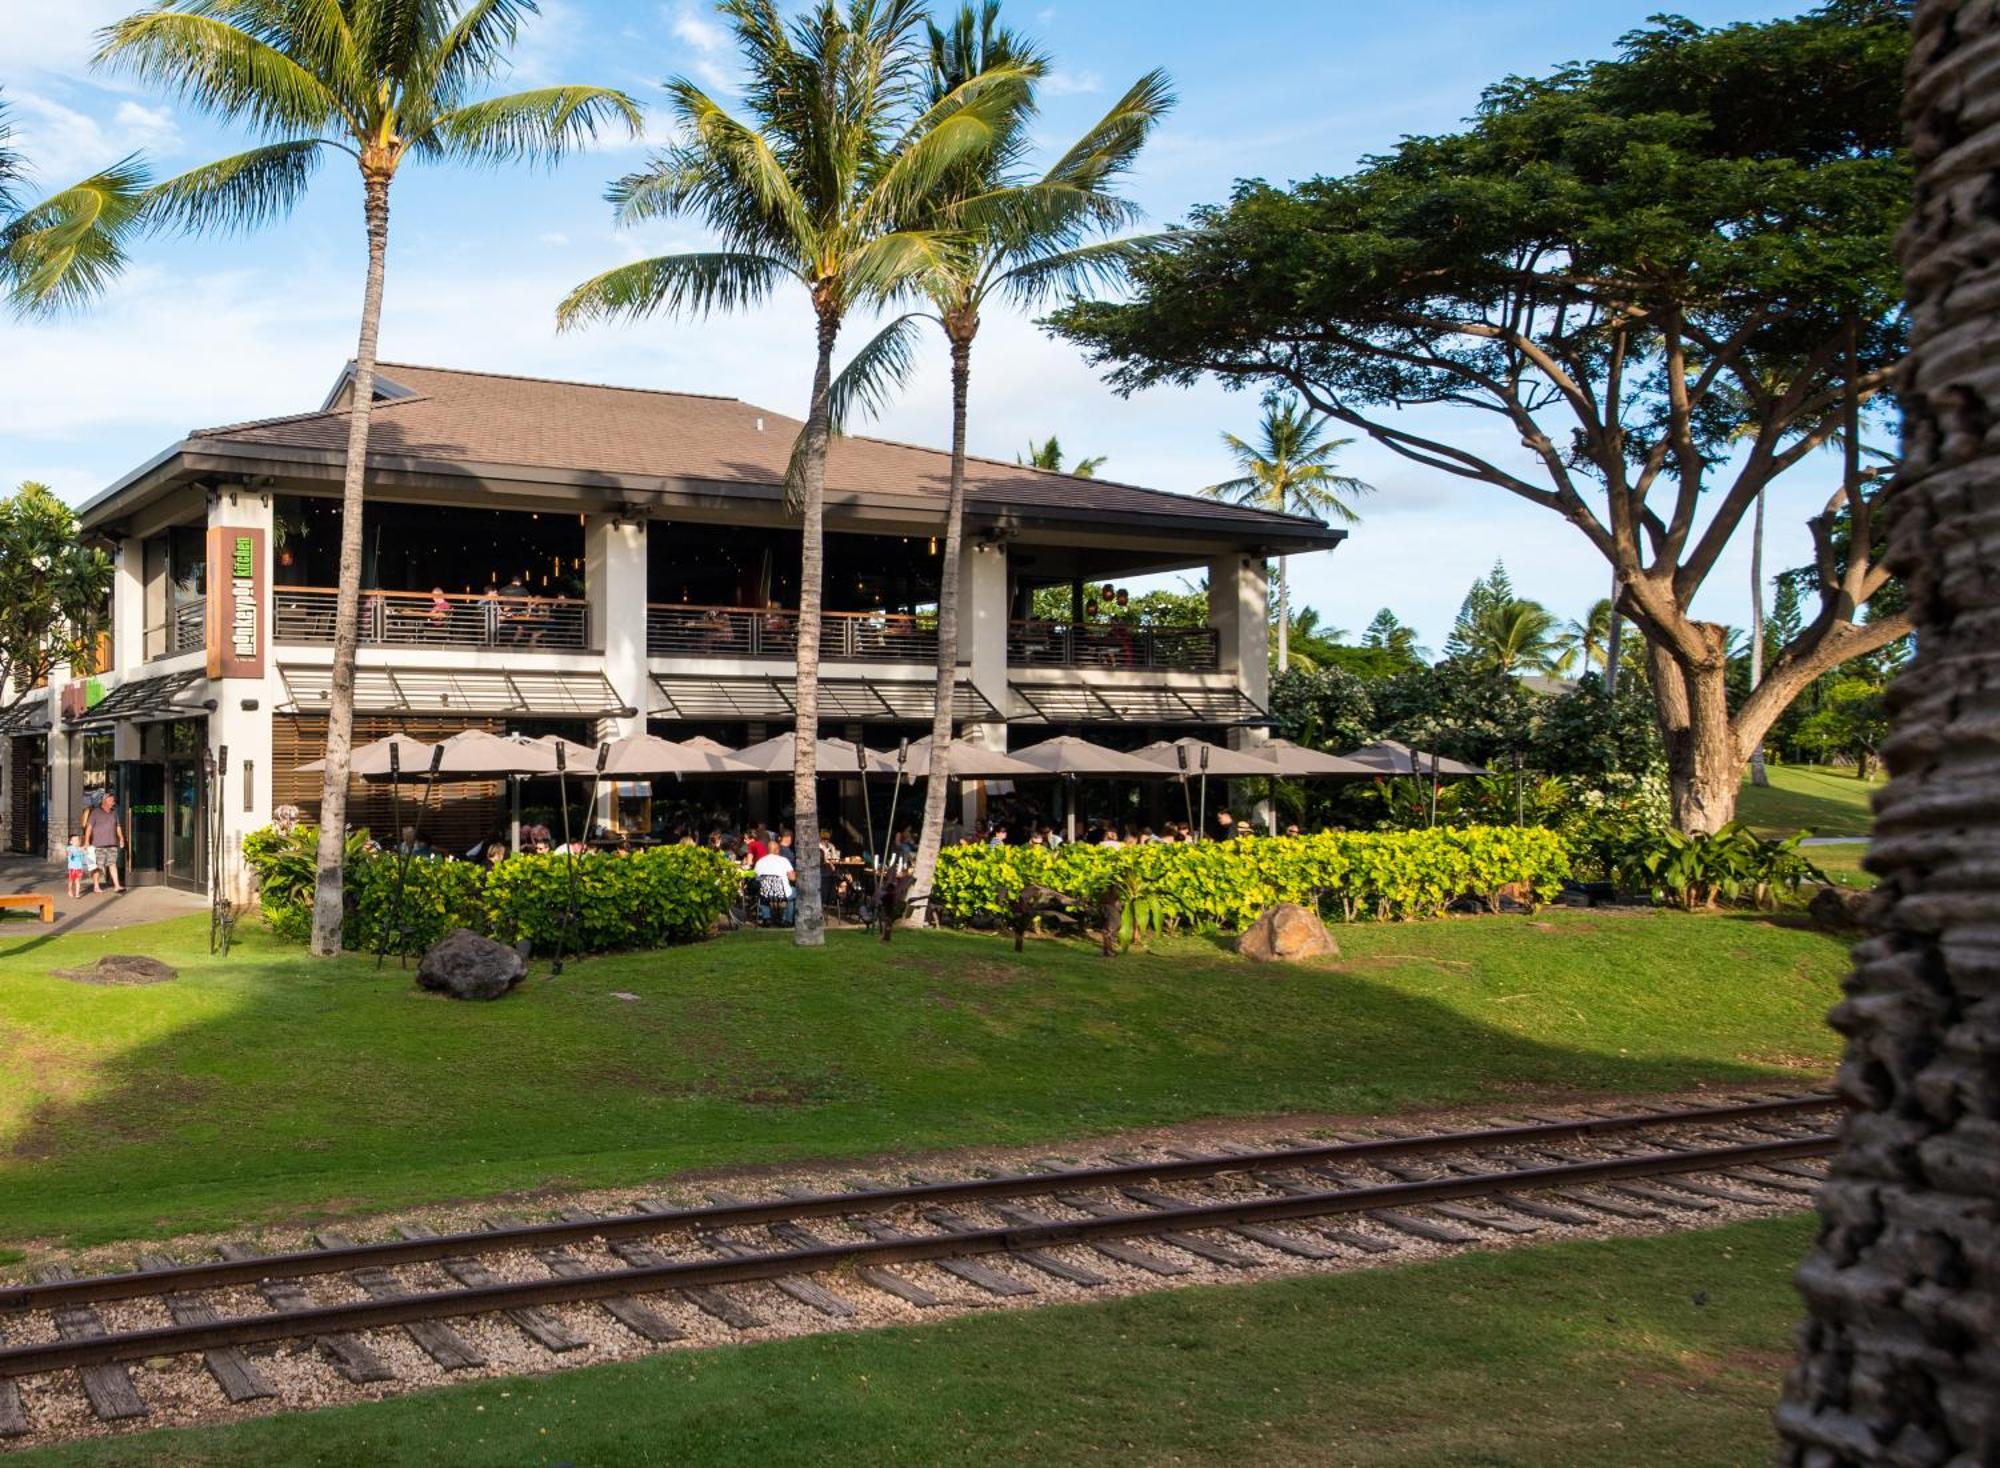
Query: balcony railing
[[418, 619], [678, 630], [185, 630], [1060, 645]]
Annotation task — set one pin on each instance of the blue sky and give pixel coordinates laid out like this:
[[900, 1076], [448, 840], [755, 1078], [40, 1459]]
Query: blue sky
[[215, 331]]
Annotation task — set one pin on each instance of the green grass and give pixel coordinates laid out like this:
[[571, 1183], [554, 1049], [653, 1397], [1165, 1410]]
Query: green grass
[[272, 1087], [1827, 802], [1843, 863], [1577, 1355]]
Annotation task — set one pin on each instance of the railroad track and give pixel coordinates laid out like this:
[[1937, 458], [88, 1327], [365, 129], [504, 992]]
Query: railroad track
[[991, 1237]]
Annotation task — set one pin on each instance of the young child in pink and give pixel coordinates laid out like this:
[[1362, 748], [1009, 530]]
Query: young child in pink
[[79, 865]]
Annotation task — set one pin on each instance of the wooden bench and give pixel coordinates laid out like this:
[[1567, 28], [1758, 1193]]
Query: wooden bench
[[41, 902]]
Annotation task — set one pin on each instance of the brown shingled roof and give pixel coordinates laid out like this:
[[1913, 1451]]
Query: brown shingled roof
[[484, 418]]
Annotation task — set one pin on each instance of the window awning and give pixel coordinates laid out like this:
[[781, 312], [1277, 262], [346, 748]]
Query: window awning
[[841, 700], [1082, 702], [28, 714], [542, 693], [145, 701]]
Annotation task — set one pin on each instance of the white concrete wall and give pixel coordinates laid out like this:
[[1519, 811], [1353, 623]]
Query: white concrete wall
[[615, 581], [1239, 610], [239, 730]]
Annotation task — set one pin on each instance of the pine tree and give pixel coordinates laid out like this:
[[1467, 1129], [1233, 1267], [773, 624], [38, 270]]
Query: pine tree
[[1486, 596]]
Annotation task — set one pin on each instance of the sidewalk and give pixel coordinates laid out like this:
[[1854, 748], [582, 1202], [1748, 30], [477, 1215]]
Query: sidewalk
[[103, 912]]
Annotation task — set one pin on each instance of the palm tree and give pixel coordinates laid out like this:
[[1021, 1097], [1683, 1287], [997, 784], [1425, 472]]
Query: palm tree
[[1290, 471], [381, 81], [1018, 239], [1311, 645], [1513, 636], [62, 250], [1895, 1359], [1590, 638], [831, 187], [1048, 454]]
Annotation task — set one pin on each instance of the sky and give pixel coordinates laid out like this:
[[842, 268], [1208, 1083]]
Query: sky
[[219, 330]]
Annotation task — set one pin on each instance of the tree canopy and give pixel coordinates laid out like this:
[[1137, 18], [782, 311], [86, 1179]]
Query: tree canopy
[[55, 592]]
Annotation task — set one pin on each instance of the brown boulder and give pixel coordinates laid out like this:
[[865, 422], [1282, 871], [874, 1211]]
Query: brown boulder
[[1286, 933], [1840, 909]]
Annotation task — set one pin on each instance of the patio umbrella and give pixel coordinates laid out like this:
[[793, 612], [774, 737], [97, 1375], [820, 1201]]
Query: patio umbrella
[[1294, 761], [836, 757], [1392, 757], [968, 762], [1224, 763], [371, 761], [576, 757], [474, 754], [706, 745], [642, 756], [1068, 755]]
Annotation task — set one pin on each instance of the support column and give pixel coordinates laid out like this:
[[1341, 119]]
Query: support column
[[128, 605], [246, 690], [982, 653], [65, 799], [1239, 610], [615, 584]]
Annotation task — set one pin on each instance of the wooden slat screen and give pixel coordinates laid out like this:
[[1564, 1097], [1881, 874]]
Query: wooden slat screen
[[462, 811], [24, 786]]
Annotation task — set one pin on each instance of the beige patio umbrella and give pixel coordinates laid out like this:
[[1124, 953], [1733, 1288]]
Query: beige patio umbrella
[[705, 745], [968, 762], [643, 756], [372, 761], [1393, 757], [476, 754], [1074, 759], [1204, 758], [1294, 761], [837, 758]]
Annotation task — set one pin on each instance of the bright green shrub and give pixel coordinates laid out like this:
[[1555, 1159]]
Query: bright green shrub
[[669, 894], [1383, 874]]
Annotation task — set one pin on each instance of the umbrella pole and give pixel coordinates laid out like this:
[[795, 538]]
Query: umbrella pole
[[402, 856], [569, 851], [514, 807], [1434, 787], [1069, 807], [867, 809]]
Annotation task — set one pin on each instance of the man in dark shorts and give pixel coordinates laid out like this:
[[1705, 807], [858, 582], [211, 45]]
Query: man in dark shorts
[[106, 840]]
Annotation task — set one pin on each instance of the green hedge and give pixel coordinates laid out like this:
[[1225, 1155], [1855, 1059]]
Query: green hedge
[[668, 894], [1226, 884]]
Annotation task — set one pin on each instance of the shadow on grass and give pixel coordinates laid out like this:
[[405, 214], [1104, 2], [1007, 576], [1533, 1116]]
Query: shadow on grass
[[331, 1087]]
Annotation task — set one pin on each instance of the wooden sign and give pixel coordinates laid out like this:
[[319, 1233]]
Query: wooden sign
[[236, 600]]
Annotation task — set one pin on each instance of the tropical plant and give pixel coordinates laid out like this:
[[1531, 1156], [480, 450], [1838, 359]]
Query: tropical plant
[[1850, 723], [831, 184], [1730, 864], [1514, 637], [381, 81], [1131, 911], [1048, 455], [1289, 470], [1669, 274], [1305, 644], [64, 248], [1894, 1288], [55, 591], [1018, 238], [1387, 633], [1590, 638]]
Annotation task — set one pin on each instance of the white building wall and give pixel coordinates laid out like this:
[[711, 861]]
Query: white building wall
[[615, 581], [239, 730]]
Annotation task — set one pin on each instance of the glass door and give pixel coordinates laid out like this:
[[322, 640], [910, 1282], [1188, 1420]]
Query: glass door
[[184, 826], [144, 798]]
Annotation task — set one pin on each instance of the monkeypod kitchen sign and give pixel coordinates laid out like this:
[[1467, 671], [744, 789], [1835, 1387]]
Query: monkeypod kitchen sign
[[236, 593]]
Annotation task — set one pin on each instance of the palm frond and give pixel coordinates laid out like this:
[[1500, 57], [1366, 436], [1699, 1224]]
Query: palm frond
[[891, 262], [222, 69], [11, 166], [970, 122], [235, 193], [475, 45], [539, 125], [64, 250], [1087, 267], [876, 373], [1112, 144], [1236, 491], [692, 284]]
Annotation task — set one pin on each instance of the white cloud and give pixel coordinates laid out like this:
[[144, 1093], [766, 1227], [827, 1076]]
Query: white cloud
[[698, 30], [54, 37], [1072, 83], [62, 144]]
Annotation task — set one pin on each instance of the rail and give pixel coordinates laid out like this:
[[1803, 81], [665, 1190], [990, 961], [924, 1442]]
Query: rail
[[305, 614], [676, 629], [1113, 645], [184, 630]]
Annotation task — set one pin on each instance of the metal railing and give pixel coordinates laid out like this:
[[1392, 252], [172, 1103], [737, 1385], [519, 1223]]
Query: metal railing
[[1113, 645], [418, 619], [184, 630], [679, 630]]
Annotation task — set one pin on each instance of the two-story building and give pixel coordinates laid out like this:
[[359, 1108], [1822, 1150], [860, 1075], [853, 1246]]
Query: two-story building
[[543, 555]]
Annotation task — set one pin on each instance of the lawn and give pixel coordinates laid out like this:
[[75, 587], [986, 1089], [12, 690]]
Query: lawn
[[268, 1086], [1655, 1350], [1827, 802]]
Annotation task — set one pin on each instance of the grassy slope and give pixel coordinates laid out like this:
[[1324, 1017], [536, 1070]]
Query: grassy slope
[[268, 1086], [1828, 802], [1663, 1350]]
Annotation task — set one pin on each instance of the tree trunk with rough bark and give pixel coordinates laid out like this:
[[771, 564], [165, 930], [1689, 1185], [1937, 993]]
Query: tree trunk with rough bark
[[809, 917], [1284, 620], [1898, 1362], [930, 837], [328, 893], [1757, 775]]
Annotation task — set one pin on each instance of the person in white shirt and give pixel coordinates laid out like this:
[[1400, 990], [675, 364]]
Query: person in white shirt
[[776, 900]]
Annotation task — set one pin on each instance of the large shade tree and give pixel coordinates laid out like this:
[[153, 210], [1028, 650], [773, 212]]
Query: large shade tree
[[55, 591], [1898, 1363], [830, 185], [1016, 237], [1664, 281], [1290, 470], [381, 82]]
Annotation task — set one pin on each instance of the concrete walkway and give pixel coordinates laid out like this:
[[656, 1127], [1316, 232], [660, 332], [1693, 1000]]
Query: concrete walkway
[[103, 912]]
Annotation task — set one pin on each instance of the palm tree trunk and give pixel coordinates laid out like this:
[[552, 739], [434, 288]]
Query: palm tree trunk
[[1757, 775], [1614, 634], [937, 788], [328, 904], [1284, 620], [809, 920], [1896, 1360]]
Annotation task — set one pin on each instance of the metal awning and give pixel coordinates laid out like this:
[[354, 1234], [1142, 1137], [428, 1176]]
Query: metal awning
[[145, 701], [1081, 702], [543, 693], [841, 700], [28, 714]]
